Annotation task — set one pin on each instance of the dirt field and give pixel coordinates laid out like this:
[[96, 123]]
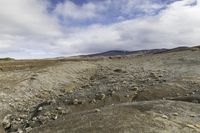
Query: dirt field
[[153, 93]]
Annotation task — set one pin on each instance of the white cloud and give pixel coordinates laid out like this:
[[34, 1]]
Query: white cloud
[[23, 24], [28, 30], [105, 9], [178, 25], [26, 17], [69, 10], [144, 6]]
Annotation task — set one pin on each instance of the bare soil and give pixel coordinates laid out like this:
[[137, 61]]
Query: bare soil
[[153, 93]]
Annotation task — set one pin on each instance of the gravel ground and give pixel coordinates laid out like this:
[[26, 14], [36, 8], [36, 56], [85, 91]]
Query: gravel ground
[[158, 93]]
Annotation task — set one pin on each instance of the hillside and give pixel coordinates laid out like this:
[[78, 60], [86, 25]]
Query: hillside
[[136, 93], [120, 52]]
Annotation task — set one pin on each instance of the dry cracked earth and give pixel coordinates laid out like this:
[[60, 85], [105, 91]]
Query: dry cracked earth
[[145, 93]]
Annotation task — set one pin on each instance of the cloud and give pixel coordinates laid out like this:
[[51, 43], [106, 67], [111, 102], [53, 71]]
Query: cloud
[[26, 17], [24, 23], [106, 11], [29, 30], [177, 25], [70, 10]]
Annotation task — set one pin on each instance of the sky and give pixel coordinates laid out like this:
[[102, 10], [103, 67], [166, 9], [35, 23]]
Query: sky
[[53, 28]]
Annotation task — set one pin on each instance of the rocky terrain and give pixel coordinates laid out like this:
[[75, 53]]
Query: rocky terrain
[[138, 93]]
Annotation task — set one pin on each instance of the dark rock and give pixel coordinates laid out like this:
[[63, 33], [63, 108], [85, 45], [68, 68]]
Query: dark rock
[[100, 96], [134, 89], [28, 129], [97, 110], [118, 70], [75, 101], [6, 123], [93, 101]]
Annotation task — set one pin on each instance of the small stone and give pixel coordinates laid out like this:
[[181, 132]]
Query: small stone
[[134, 89], [42, 119], [100, 96], [23, 116], [93, 101], [92, 77], [148, 79], [52, 101], [28, 129], [118, 70], [34, 119], [19, 131], [47, 114], [103, 96], [55, 117], [97, 110], [163, 98], [18, 119], [63, 112], [75, 101], [71, 91], [6, 123], [127, 96], [191, 126], [124, 82], [153, 75], [197, 125], [175, 114], [3, 100], [192, 115], [15, 125], [86, 86], [11, 105], [40, 109], [31, 123], [68, 101], [81, 102], [32, 78], [116, 88], [59, 108], [165, 117], [113, 92]]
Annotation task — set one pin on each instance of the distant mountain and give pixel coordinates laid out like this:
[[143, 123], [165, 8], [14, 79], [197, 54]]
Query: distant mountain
[[174, 50], [121, 52], [151, 51]]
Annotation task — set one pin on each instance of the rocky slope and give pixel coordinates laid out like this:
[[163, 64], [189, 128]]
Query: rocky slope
[[151, 93]]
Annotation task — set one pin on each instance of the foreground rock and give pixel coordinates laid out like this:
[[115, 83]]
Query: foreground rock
[[138, 117], [6, 123]]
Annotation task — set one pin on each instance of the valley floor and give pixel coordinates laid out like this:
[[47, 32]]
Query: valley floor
[[154, 93]]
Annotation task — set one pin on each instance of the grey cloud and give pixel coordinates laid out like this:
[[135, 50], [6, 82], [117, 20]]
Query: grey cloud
[[176, 26], [29, 31]]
